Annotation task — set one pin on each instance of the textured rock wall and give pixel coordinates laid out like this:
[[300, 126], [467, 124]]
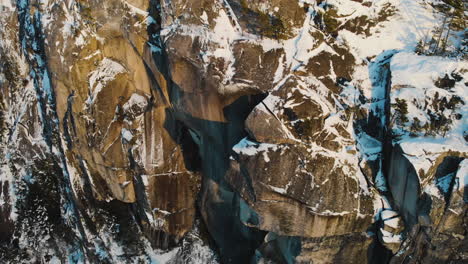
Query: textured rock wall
[[230, 131]]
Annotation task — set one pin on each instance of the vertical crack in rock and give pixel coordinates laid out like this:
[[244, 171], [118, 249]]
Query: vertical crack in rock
[[401, 177], [218, 204], [377, 125], [31, 38]]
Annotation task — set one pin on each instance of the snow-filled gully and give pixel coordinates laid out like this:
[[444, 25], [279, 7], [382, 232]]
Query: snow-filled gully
[[400, 183], [396, 179], [400, 175]]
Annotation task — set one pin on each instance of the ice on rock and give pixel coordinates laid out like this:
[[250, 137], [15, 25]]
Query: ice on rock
[[444, 183], [126, 135]]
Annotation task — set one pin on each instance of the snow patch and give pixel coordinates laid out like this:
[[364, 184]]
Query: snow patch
[[462, 175], [390, 218], [107, 70], [250, 148], [135, 100], [412, 70], [390, 238]]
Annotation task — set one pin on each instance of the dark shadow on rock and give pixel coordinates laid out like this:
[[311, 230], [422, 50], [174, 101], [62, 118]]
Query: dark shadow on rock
[[403, 182], [6, 225], [218, 204], [280, 249], [207, 145], [445, 176], [378, 253], [376, 124]]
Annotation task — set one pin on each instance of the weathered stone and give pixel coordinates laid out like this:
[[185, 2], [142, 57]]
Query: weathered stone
[[289, 191], [350, 248], [264, 126]]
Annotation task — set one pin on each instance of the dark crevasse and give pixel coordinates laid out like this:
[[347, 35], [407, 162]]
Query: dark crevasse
[[403, 182], [392, 174], [400, 175], [400, 182], [218, 205], [376, 125]]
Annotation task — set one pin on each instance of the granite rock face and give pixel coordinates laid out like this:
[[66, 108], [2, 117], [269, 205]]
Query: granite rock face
[[233, 131]]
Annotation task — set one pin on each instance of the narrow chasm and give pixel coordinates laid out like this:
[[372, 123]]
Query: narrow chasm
[[395, 177], [207, 147], [400, 175], [218, 205], [376, 125]]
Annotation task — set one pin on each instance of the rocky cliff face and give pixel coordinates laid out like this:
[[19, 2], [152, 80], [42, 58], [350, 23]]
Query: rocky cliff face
[[233, 131]]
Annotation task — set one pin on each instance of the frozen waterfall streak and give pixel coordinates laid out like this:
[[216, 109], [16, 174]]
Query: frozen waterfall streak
[[32, 43]]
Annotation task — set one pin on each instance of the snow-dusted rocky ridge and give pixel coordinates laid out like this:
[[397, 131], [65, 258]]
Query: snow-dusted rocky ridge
[[233, 131]]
